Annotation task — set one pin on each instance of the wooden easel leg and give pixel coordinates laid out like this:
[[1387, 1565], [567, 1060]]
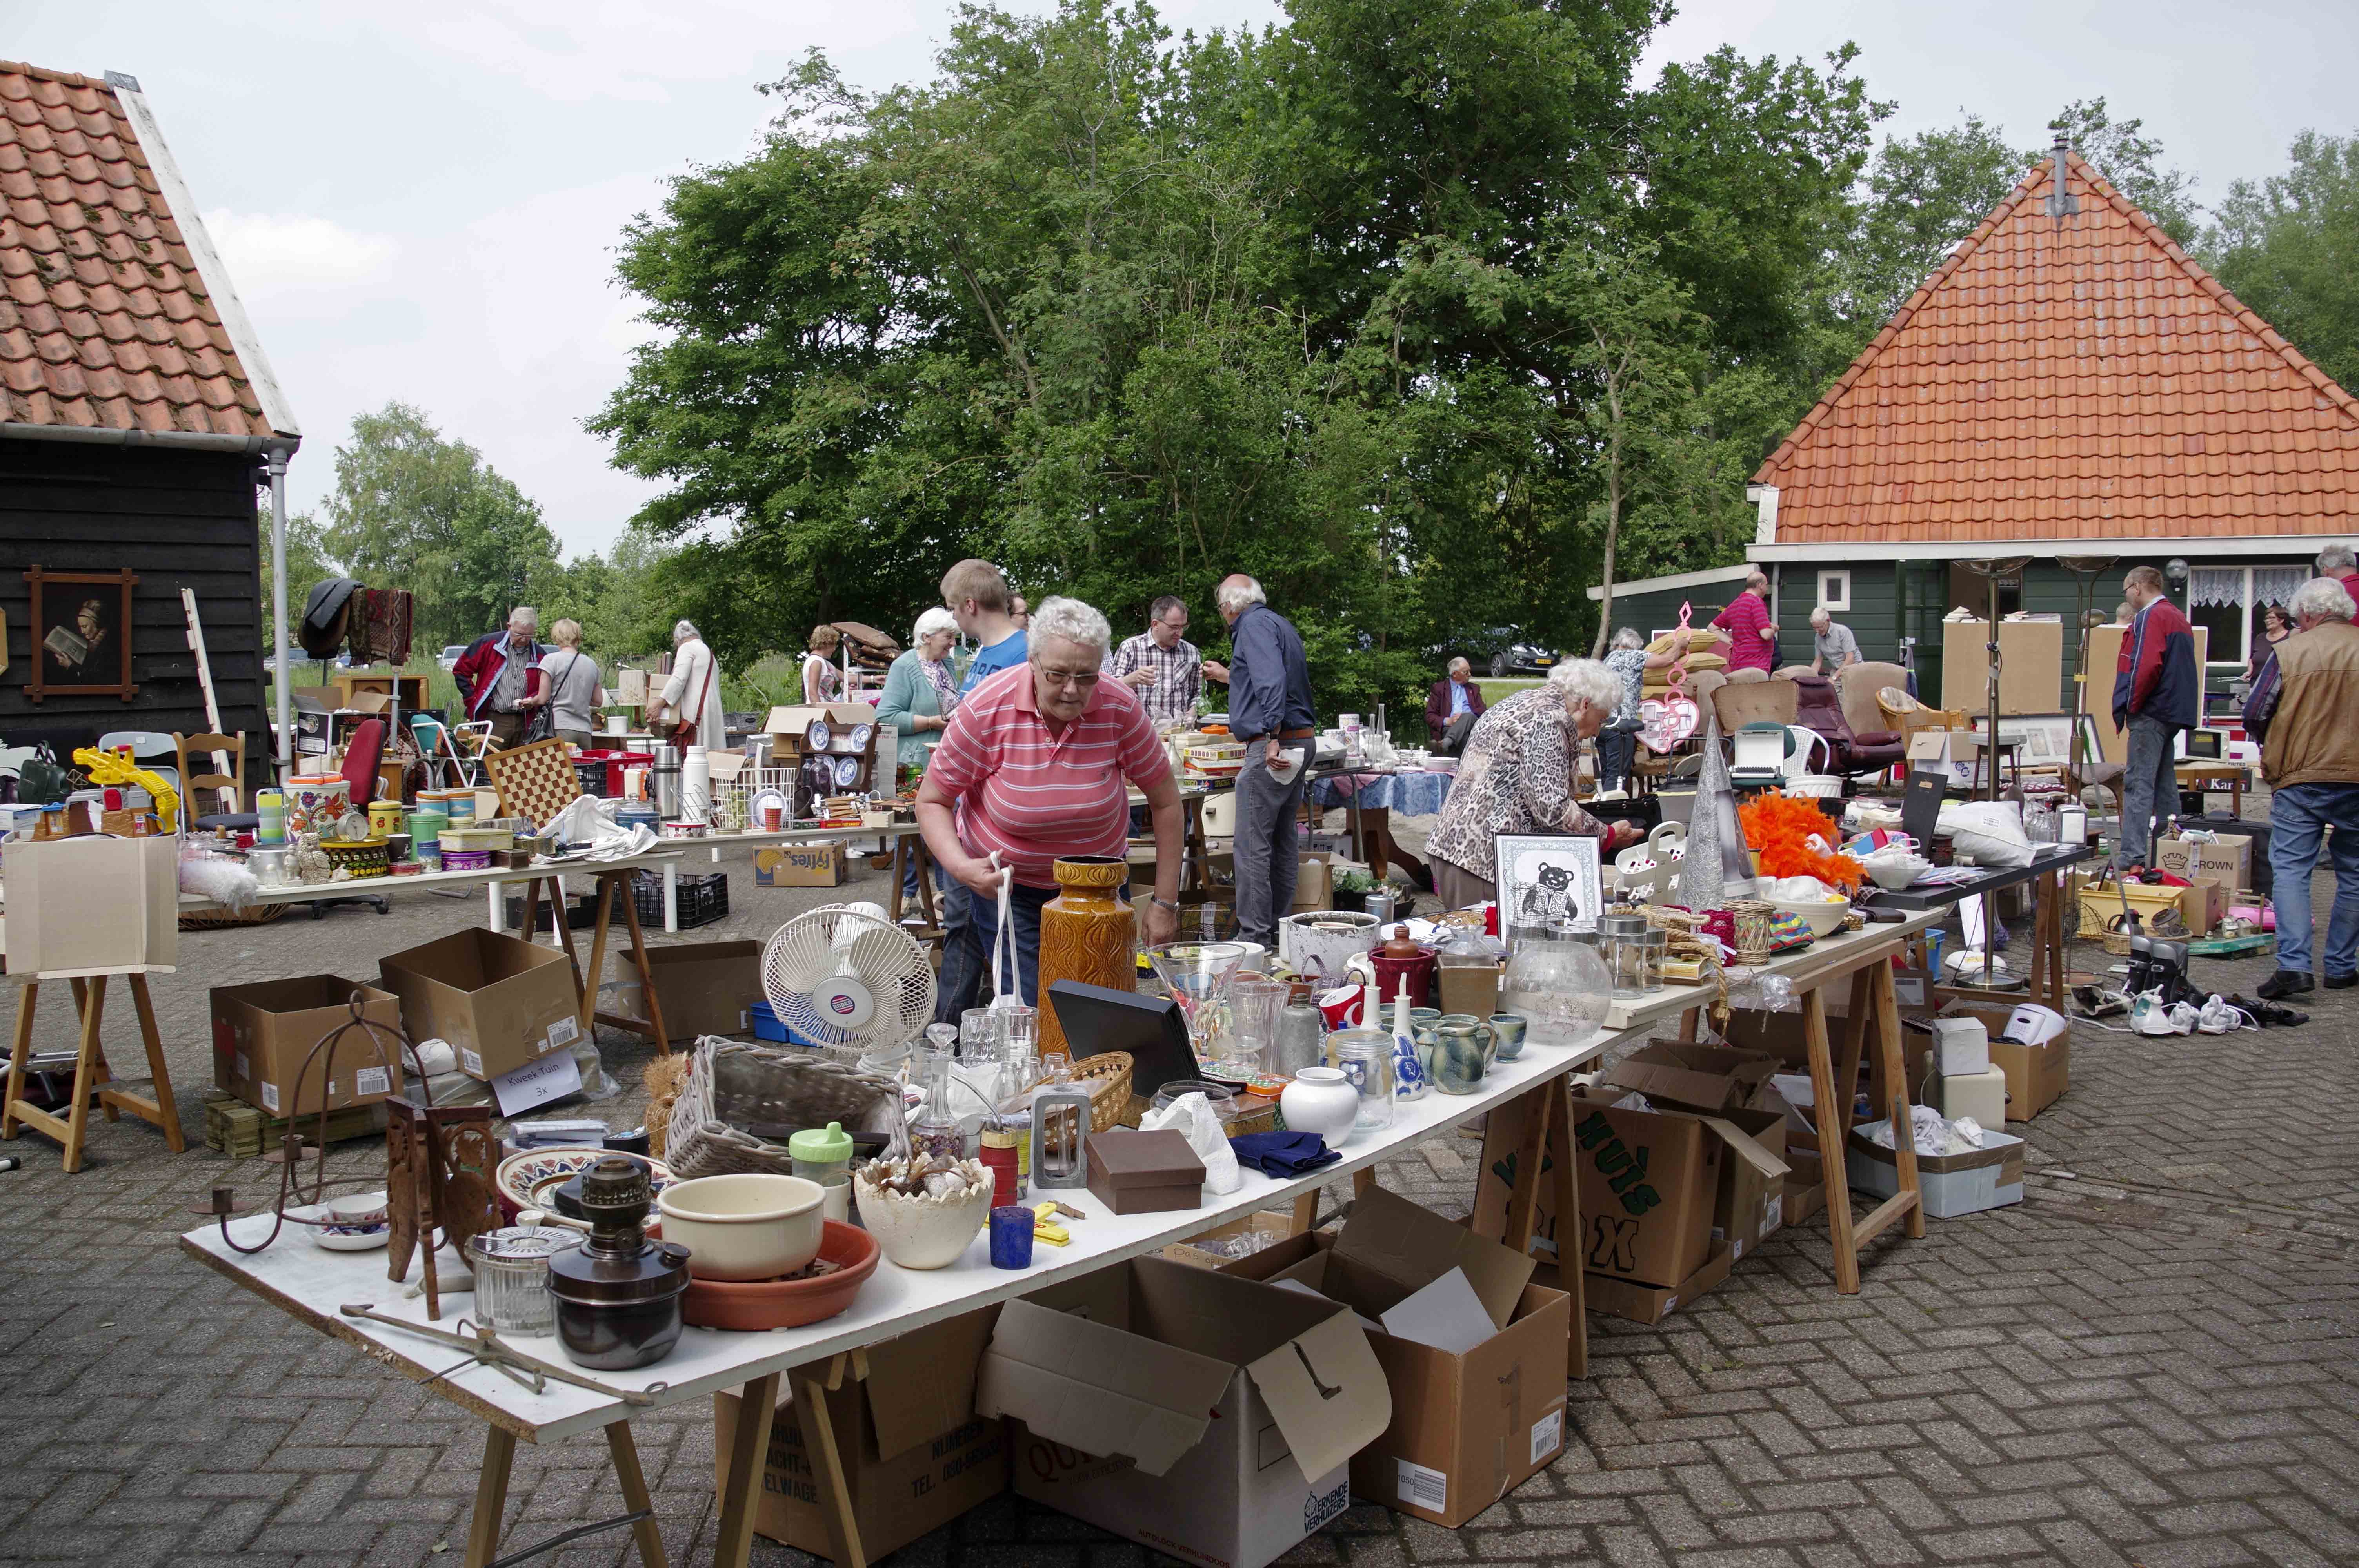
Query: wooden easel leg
[[563, 927], [1567, 1223], [1904, 1146], [634, 1484], [741, 1489], [1854, 1044], [168, 1116], [900, 875], [100, 1073], [20, 1052], [85, 1064], [827, 1470], [1826, 1115], [589, 990], [491, 1497], [925, 883], [647, 975]]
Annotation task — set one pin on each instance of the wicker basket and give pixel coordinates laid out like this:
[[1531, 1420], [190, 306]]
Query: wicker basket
[[360, 856], [1110, 1069], [222, 919]]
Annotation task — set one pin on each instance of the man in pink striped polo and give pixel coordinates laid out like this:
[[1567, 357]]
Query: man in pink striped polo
[[1032, 767]]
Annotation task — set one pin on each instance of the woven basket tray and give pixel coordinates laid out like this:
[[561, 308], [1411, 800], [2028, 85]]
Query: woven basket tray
[[1107, 1077]]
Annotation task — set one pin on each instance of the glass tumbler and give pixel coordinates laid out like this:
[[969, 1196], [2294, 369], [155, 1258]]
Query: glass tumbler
[[1254, 1003]]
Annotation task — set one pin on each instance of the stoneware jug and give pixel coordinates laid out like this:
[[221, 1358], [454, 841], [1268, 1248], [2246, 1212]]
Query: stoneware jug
[[1462, 1052], [1085, 935]]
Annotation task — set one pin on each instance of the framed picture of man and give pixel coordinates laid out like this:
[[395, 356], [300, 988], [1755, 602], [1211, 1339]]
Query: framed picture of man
[[80, 635], [1544, 879]]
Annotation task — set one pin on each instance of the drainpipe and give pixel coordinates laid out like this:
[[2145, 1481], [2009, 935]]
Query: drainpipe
[[278, 453]]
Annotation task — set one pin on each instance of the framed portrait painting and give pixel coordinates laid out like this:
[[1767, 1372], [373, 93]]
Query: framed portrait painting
[[1544, 879], [80, 635]]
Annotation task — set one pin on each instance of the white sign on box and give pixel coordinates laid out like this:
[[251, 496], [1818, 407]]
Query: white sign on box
[[548, 1077]]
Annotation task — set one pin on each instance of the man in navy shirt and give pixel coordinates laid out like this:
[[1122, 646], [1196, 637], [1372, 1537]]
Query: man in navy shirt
[[1270, 710]]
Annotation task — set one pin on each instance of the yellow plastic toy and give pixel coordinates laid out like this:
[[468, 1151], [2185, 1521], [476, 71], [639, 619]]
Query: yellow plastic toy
[[114, 768], [1045, 1226]]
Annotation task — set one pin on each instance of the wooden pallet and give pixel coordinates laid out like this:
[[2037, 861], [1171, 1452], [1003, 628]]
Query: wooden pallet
[[242, 1131]]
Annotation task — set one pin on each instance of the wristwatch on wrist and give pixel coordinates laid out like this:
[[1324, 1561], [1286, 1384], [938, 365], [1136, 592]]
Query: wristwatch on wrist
[[1163, 903]]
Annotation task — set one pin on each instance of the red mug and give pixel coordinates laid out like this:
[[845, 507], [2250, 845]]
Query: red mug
[[1343, 1007]]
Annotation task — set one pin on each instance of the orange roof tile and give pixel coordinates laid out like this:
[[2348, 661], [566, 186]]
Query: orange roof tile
[[105, 317], [2073, 378]]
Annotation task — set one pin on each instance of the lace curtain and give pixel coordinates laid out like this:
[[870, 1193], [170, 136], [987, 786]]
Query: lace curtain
[[2275, 585], [2215, 586]]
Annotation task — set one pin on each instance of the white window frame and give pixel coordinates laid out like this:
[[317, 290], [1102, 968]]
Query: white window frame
[[1834, 591], [2246, 622]]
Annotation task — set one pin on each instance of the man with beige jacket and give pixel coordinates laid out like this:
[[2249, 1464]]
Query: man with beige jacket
[[2312, 762]]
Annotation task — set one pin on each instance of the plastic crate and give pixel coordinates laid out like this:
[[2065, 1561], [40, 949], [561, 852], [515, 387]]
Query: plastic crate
[[702, 900]]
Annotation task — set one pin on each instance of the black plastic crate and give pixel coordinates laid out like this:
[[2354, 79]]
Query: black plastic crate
[[591, 776], [581, 912], [702, 900]]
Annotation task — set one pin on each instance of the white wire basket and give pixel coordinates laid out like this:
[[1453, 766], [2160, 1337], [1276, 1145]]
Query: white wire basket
[[733, 799]]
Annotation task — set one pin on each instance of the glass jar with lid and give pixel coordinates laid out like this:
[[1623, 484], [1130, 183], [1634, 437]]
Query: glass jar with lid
[[1365, 1056]]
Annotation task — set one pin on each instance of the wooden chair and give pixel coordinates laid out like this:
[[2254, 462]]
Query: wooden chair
[[197, 752]]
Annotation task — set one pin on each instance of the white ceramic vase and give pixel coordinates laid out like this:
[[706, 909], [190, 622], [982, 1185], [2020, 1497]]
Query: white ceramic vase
[[1321, 1100]]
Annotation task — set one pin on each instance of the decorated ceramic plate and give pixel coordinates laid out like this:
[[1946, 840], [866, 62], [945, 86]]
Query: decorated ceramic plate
[[530, 1179], [817, 736], [847, 771]]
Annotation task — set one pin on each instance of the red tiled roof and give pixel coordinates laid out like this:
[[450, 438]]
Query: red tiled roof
[[2070, 379], [105, 320]]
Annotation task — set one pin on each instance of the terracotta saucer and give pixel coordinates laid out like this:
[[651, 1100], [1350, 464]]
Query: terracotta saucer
[[754, 1305]]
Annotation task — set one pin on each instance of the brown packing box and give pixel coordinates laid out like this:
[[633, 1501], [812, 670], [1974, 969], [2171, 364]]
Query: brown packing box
[[500, 1002], [1690, 1077], [915, 1454], [1467, 1428], [2035, 1074], [1751, 1203], [1144, 1172], [2228, 858], [264, 1033], [2216, 892], [56, 929], [799, 866], [706, 986], [1647, 1304], [1206, 1416]]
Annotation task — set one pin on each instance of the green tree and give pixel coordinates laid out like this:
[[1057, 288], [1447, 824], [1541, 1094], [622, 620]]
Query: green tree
[[2289, 247], [1925, 194], [2131, 163]]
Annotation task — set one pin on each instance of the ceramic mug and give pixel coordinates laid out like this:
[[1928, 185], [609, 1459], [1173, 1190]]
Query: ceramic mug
[[1508, 1028], [1463, 1052]]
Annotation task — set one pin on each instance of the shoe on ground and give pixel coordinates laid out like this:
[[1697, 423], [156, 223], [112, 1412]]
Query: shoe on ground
[[2341, 982], [2285, 983]]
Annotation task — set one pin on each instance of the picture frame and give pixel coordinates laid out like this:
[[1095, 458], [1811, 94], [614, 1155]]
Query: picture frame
[[1544, 877], [79, 634], [2047, 738]]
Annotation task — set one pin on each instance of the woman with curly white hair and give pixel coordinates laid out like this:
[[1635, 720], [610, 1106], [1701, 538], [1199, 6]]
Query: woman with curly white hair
[[1516, 777]]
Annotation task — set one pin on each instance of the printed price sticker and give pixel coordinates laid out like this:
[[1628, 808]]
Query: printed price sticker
[[473, 1061], [372, 1081], [564, 1031], [270, 1097]]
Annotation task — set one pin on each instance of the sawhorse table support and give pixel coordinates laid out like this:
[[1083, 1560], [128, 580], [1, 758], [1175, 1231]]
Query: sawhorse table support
[[90, 1071], [611, 885]]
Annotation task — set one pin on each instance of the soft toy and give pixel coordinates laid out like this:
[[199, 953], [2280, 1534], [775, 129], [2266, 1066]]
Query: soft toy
[[1789, 837]]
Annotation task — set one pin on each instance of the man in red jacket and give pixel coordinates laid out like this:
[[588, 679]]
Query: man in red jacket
[[1451, 709], [497, 677], [2158, 692], [1752, 632]]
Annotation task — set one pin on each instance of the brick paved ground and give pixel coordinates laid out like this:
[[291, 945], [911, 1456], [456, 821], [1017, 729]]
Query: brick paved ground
[[2151, 1361]]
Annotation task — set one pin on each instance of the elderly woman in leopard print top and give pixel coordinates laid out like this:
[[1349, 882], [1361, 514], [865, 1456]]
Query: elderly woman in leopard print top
[[1516, 777]]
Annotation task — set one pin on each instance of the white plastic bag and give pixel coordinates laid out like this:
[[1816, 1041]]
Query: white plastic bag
[[1989, 830], [1192, 1115]]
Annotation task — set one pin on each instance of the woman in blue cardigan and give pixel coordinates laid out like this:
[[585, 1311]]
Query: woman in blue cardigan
[[919, 690]]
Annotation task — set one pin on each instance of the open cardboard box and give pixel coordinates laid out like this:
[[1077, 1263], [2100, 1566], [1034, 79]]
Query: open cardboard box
[[1690, 1076], [1204, 1415], [500, 1002], [264, 1034], [706, 986], [1469, 1426], [915, 1454]]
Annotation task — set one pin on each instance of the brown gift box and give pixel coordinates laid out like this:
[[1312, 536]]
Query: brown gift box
[[1145, 1173]]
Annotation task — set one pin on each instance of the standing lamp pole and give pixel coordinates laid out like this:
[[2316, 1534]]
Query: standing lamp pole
[[278, 609]]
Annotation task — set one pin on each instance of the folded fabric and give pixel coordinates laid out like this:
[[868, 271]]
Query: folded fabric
[[1283, 1154]]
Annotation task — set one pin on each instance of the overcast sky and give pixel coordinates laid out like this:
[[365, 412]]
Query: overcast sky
[[420, 201]]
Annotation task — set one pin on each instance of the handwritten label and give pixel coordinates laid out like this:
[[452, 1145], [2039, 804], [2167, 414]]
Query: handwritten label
[[537, 1083]]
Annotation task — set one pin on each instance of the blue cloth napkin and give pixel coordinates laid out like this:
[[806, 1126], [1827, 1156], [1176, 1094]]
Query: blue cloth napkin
[[1283, 1154]]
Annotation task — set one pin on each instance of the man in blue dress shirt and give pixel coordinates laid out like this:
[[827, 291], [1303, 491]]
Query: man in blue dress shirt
[[1270, 710]]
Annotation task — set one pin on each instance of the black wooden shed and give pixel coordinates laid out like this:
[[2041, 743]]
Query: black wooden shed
[[138, 415]]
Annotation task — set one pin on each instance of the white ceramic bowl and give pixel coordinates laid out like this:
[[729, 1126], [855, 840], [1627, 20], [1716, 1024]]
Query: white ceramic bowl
[[1893, 872], [925, 1232], [745, 1226], [1825, 916]]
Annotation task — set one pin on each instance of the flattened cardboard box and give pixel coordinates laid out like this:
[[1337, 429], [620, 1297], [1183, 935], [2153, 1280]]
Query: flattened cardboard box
[[264, 1033], [1467, 1429], [915, 1454], [706, 986], [1204, 1415], [500, 1002], [57, 929], [1707, 1080], [798, 866]]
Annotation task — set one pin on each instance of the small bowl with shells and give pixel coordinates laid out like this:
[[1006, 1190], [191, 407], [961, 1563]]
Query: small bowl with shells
[[923, 1211]]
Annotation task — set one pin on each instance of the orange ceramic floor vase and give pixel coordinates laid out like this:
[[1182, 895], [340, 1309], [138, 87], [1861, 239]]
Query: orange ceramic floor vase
[[1086, 935]]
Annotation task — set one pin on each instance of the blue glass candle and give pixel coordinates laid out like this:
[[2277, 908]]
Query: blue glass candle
[[1011, 1238]]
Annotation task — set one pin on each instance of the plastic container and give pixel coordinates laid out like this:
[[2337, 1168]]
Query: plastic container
[[824, 1155], [1365, 1056]]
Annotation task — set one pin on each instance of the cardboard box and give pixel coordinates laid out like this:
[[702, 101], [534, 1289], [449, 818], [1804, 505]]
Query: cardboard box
[[706, 986], [2213, 897], [1646, 1183], [1202, 1251], [631, 688], [1470, 989], [1982, 1096], [915, 1454], [1635, 1302], [1952, 1184], [1468, 1425], [1204, 1415], [2229, 858], [2035, 1074], [57, 929], [2031, 668], [264, 1033], [799, 866], [1750, 1206], [1948, 753], [1710, 1079], [500, 1002]]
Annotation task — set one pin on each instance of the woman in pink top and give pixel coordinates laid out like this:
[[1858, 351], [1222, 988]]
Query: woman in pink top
[[1033, 766], [1752, 634]]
